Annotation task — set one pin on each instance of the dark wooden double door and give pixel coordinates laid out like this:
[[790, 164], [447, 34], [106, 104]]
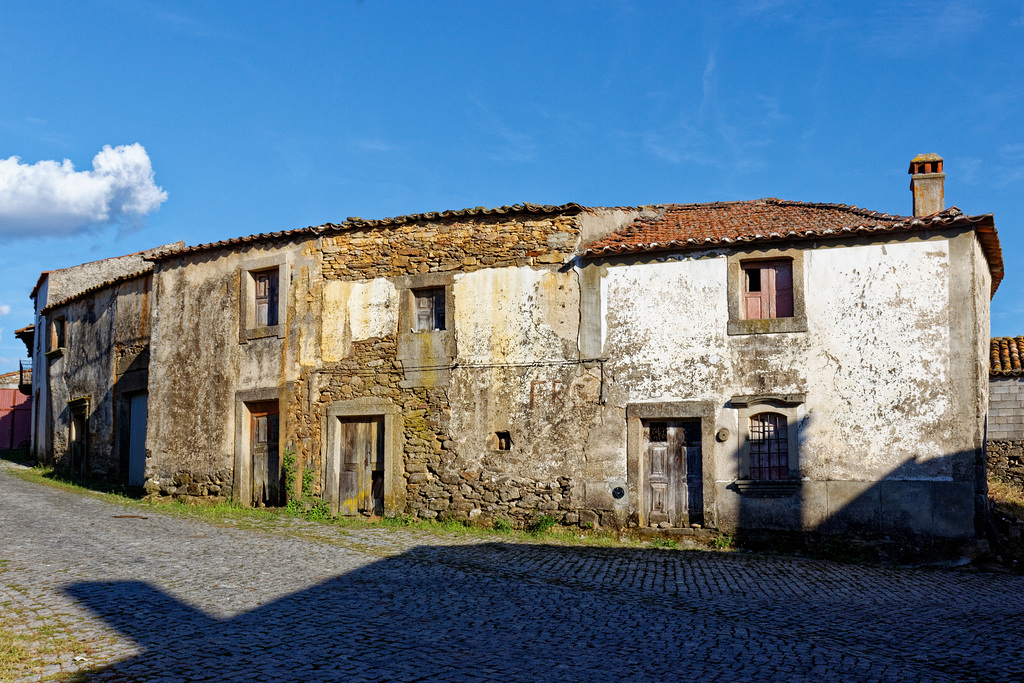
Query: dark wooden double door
[[354, 480], [673, 476]]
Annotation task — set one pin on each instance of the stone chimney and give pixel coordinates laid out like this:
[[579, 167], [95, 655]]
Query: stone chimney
[[926, 182]]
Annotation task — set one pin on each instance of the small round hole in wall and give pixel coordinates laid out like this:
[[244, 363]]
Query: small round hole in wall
[[722, 435], [618, 492]]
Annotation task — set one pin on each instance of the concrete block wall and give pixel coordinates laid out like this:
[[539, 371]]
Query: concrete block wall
[[1006, 409]]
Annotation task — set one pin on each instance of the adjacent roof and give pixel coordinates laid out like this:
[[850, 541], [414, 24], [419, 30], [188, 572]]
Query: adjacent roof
[[1005, 356], [696, 226], [353, 223], [68, 284]]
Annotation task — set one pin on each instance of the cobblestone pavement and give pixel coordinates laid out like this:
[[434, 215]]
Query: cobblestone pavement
[[162, 598]]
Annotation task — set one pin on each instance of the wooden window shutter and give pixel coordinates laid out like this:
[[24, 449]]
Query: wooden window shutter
[[424, 312], [266, 298], [782, 280], [428, 310]]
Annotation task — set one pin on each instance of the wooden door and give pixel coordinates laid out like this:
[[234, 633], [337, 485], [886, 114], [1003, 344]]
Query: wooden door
[[355, 469], [673, 482], [137, 415], [266, 463]]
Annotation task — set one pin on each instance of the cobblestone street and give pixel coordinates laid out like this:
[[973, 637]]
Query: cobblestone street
[[157, 597]]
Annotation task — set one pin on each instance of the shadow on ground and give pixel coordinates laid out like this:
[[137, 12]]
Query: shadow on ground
[[504, 612]]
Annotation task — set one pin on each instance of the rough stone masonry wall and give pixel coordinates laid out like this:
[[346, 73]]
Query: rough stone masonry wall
[[436, 487], [1006, 461], [447, 246]]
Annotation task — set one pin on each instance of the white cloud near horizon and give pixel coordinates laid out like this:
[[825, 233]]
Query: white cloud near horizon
[[52, 198], [4, 309]]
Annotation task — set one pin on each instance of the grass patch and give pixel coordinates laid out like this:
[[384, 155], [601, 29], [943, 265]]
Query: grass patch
[[16, 659], [1007, 497], [119, 493], [22, 653], [19, 455]]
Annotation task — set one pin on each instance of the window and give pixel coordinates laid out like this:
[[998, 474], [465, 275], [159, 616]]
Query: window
[[428, 309], [500, 441], [768, 444], [57, 334], [769, 447], [266, 297], [767, 289], [262, 298]]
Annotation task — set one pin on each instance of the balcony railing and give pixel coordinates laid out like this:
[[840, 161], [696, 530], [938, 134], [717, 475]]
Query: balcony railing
[[25, 376]]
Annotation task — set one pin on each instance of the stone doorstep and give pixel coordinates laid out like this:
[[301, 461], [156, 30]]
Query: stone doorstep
[[648, 533]]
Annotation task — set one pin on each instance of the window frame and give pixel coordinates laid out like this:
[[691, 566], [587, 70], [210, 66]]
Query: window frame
[[791, 407], [438, 319], [738, 324], [56, 338], [249, 328]]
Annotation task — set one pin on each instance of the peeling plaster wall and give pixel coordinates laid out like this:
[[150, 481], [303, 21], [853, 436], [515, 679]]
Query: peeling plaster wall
[[356, 311], [106, 340], [874, 365], [203, 361]]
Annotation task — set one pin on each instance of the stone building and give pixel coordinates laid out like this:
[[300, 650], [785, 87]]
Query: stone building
[[1006, 410], [90, 348], [763, 364]]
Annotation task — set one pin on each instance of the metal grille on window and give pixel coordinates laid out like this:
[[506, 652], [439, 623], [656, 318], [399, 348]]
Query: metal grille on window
[[659, 432], [769, 447]]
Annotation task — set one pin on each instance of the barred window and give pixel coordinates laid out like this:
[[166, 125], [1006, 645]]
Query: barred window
[[769, 447]]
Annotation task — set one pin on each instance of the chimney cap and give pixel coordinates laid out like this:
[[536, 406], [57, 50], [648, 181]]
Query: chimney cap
[[921, 159]]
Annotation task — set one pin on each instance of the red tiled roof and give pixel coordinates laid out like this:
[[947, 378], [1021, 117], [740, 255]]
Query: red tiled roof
[[354, 222], [1005, 356], [697, 226]]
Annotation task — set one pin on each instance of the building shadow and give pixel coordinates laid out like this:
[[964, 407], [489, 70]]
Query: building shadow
[[503, 612], [920, 510]]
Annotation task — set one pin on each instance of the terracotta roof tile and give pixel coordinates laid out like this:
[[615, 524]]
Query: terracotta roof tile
[[1005, 356], [697, 226]]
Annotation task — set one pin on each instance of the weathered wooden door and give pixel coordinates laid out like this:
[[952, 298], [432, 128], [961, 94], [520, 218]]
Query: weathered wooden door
[[673, 483], [266, 463], [137, 414], [355, 468]]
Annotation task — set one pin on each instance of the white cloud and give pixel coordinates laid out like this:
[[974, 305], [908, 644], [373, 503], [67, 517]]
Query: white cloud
[[51, 197], [4, 309]]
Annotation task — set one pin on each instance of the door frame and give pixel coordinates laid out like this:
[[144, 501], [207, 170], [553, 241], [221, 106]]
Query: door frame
[[241, 489], [394, 442], [636, 415]]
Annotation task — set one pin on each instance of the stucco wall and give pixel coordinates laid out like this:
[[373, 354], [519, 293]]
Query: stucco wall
[[202, 363], [874, 366], [106, 342]]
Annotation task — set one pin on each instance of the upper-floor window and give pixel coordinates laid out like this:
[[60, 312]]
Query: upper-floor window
[[263, 296], [769, 447], [57, 333], [767, 289], [428, 309], [266, 288]]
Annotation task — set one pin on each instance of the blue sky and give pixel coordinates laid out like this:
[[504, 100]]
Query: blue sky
[[263, 116]]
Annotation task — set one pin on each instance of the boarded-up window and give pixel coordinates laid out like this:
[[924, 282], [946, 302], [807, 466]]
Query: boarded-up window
[[767, 289], [266, 297], [428, 309], [769, 447]]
